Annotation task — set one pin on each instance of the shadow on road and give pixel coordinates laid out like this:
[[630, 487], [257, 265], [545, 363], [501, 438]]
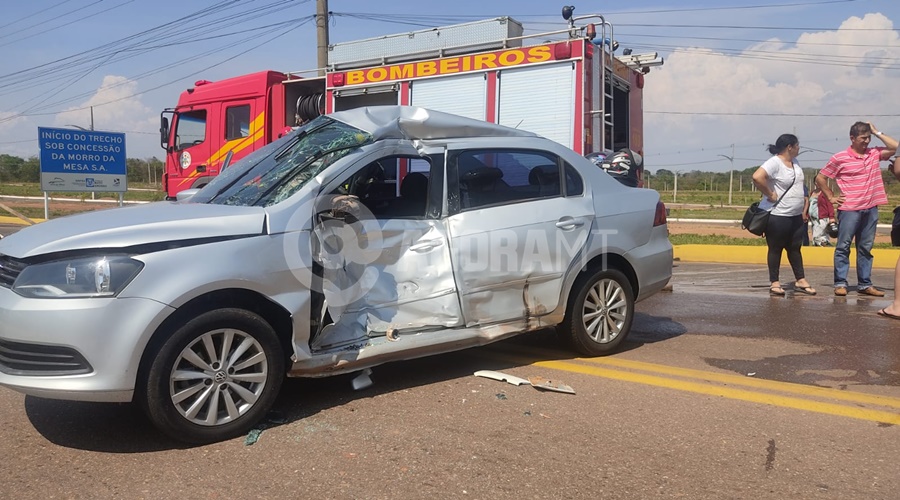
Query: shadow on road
[[123, 428]]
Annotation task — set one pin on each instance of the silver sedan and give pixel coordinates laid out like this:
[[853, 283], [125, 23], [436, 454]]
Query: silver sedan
[[365, 236]]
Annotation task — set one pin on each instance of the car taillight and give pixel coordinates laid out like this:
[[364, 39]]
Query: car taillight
[[660, 218]]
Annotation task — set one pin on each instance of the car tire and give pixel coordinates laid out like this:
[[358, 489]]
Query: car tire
[[599, 313], [193, 396]]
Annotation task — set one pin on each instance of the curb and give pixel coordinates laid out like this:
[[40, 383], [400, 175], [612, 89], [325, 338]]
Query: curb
[[884, 258], [17, 221]]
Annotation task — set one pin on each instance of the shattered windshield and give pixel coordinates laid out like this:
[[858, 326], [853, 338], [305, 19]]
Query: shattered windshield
[[280, 169]]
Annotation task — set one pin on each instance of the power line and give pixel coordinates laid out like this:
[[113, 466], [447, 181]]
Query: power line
[[215, 50], [64, 14], [736, 7], [739, 27], [194, 73], [619, 36], [141, 46], [34, 14], [404, 18]]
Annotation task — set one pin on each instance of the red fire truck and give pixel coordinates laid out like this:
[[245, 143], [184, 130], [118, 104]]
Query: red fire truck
[[573, 90]]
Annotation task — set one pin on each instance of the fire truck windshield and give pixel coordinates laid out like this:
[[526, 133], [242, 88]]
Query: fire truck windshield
[[190, 129], [277, 171]]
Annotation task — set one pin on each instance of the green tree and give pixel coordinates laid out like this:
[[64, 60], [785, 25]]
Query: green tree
[[10, 167], [136, 170], [30, 170]]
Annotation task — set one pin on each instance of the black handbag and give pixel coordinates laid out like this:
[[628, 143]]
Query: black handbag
[[755, 219]]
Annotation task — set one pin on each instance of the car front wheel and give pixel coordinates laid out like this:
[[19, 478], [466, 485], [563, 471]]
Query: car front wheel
[[215, 377], [599, 313]]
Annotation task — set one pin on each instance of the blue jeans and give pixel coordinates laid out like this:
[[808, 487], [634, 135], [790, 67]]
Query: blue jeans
[[859, 224]]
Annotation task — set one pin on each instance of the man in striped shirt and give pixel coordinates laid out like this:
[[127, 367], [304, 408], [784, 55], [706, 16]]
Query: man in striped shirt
[[857, 172]]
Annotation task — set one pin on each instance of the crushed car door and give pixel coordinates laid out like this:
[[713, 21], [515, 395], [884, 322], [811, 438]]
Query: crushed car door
[[515, 230], [384, 250]]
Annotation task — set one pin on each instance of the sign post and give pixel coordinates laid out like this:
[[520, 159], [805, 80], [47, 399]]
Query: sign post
[[82, 161]]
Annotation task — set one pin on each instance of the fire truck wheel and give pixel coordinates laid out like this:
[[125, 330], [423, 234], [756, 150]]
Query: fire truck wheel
[[215, 377], [599, 313]]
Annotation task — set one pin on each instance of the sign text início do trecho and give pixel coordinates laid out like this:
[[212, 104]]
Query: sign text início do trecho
[[82, 160]]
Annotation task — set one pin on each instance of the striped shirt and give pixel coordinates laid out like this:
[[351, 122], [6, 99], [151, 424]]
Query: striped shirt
[[858, 177]]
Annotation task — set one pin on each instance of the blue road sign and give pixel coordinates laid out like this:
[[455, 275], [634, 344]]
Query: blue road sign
[[82, 160]]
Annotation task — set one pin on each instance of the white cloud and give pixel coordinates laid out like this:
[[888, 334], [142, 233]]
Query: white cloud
[[854, 73], [116, 108]]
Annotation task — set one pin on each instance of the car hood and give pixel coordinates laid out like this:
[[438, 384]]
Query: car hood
[[139, 225]]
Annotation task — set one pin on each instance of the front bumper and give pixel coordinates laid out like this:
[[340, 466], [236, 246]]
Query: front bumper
[[75, 349]]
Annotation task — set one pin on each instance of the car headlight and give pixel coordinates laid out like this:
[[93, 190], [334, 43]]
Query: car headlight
[[80, 277]]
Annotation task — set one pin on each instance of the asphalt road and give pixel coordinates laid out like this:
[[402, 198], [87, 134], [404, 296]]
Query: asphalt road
[[722, 392], [7, 229]]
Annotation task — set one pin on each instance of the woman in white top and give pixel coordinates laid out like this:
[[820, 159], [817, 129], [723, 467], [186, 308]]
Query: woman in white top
[[780, 180]]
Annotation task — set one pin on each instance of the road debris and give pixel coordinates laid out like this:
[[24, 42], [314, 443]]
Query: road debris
[[537, 382], [502, 377], [272, 419], [252, 437], [362, 380], [550, 385]]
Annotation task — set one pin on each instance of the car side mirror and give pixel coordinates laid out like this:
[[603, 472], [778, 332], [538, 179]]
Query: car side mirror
[[186, 194]]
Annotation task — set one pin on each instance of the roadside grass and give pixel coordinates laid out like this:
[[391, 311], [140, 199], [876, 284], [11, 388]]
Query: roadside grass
[[55, 213], [715, 206], [152, 193], [707, 213], [714, 239]]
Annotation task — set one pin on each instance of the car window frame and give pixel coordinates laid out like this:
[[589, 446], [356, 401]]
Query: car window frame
[[434, 207], [454, 194]]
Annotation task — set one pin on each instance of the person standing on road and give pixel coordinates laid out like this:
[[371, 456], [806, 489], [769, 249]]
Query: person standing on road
[[892, 311], [858, 175], [781, 177], [821, 212]]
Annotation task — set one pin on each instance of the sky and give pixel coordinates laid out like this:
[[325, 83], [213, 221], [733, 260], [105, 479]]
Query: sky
[[737, 74]]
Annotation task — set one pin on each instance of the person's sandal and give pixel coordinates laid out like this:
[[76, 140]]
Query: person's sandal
[[776, 291], [808, 290]]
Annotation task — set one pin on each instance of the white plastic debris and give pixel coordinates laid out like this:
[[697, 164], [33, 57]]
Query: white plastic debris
[[362, 380], [536, 382], [502, 377]]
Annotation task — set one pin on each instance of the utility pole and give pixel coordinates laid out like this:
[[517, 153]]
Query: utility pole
[[675, 189], [730, 172], [322, 34]]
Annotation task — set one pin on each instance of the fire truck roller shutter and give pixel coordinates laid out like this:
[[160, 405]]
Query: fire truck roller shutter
[[539, 99], [463, 95], [309, 107]]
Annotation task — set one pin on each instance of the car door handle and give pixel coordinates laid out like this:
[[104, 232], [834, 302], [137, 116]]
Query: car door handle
[[569, 223], [424, 246]]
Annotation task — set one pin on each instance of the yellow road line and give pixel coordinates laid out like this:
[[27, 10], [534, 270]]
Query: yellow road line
[[806, 390], [725, 392]]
